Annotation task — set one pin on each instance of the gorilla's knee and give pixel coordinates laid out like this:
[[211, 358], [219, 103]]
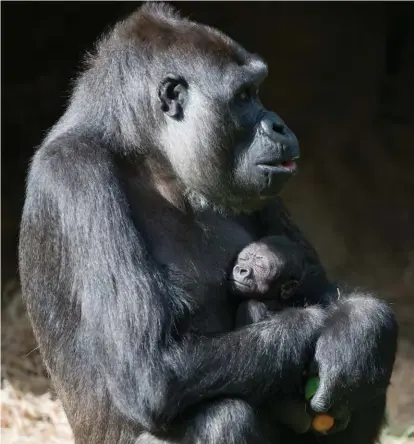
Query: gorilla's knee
[[227, 421]]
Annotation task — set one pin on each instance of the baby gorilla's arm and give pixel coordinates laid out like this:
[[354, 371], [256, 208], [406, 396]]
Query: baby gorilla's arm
[[290, 412], [250, 312]]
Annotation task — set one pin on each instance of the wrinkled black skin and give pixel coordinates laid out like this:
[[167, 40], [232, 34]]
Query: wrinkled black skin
[[137, 201]]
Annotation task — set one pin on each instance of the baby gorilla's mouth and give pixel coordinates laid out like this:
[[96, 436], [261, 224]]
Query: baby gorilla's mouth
[[241, 286]]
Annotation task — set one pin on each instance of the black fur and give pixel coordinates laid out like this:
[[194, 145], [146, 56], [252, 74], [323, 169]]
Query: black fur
[[164, 165]]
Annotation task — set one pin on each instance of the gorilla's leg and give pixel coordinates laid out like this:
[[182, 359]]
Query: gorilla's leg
[[224, 421], [227, 421]]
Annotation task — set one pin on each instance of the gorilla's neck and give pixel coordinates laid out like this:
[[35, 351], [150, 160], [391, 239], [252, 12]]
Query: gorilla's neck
[[153, 180], [225, 207], [199, 202]]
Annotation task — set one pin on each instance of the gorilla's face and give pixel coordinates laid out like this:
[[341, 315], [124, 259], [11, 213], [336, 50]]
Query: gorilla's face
[[221, 141], [268, 268], [257, 268]]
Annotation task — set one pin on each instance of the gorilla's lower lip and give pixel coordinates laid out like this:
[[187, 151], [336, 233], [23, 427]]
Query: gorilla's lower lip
[[239, 284], [289, 167]]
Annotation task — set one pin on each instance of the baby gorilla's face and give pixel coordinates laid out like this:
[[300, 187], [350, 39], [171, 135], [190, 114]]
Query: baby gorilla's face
[[267, 269]]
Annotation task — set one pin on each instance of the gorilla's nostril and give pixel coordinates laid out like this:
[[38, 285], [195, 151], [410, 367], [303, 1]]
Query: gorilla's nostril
[[272, 125], [278, 128], [244, 272]]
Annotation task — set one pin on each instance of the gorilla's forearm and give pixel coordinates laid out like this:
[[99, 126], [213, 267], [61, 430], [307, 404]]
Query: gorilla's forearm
[[254, 362]]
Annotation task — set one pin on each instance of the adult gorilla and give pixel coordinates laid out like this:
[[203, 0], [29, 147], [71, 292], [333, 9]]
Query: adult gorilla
[[163, 167]]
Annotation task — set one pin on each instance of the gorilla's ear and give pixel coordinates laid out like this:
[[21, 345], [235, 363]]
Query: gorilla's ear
[[172, 92]]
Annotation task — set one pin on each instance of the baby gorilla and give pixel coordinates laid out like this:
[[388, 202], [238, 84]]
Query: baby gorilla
[[267, 275]]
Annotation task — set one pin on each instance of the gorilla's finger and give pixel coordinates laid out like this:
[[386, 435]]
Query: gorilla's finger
[[323, 399]]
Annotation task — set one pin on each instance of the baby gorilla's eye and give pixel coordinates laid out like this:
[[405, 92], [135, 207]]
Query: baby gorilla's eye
[[260, 263]]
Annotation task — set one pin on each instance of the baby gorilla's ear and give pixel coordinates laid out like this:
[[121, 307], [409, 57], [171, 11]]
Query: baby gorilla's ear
[[288, 289]]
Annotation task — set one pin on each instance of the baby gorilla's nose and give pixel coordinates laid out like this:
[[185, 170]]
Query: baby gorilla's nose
[[242, 272]]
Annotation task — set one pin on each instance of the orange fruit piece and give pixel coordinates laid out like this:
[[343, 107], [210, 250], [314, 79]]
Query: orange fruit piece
[[322, 423]]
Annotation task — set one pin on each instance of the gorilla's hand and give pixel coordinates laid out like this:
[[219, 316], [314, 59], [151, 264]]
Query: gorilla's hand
[[354, 356]]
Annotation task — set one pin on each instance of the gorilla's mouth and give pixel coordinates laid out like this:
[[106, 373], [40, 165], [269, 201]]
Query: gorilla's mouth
[[288, 166], [241, 286]]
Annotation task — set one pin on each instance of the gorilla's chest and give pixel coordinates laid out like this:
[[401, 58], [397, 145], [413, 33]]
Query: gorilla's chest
[[200, 250], [197, 255]]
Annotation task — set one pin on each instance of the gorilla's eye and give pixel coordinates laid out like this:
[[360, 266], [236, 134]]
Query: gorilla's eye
[[260, 263], [246, 93]]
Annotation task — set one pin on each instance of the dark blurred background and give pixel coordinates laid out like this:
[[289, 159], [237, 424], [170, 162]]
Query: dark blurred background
[[341, 76]]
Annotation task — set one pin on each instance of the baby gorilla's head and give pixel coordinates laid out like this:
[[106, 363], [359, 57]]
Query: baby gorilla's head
[[271, 267]]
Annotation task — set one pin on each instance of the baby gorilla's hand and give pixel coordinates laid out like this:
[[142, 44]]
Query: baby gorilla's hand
[[250, 312]]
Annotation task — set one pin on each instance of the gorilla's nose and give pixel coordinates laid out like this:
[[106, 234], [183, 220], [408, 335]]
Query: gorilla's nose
[[241, 273], [273, 125]]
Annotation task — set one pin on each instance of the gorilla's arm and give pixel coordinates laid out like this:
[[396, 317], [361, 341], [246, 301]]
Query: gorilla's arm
[[364, 329], [358, 325], [105, 316], [251, 312]]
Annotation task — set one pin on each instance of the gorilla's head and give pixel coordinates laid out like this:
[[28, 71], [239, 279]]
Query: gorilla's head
[[272, 267], [187, 96]]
